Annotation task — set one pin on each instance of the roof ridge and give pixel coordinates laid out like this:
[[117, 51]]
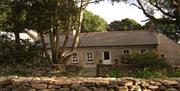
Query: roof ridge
[[115, 31]]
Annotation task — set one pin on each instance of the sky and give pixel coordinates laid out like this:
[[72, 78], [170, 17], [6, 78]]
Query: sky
[[117, 11]]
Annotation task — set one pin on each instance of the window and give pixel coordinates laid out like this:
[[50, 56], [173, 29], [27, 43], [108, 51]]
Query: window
[[106, 55], [89, 57], [75, 58], [126, 51], [143, 51], [162, 56]]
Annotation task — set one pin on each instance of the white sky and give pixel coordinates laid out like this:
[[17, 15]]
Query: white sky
[[118, 11]]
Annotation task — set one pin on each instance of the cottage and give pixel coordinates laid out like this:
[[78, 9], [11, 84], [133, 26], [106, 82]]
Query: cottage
[[107, 47]]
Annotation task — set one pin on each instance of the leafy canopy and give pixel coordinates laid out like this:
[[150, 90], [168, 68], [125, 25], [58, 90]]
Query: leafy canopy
[[125, 24], [93, 23]]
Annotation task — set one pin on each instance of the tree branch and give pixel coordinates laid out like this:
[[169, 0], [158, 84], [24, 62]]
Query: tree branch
[[144, 11], [160, 9], [136, 5], [152, 18]]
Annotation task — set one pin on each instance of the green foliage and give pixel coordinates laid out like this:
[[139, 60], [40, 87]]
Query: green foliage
[[169, 9], [17, 73], [141, 61], [147, 73], [93, 23], [115, 72], [26, 52], [125, 24], [172, 73], [168, 29], [13, 16]]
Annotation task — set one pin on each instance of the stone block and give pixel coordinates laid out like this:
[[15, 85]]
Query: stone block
[[5, 81], [38, 86], [171, 89], [153, 87], [110, 89], [23, 89], [84, 89], [102, 89], [122, 88], [75, 85], [148, 90], [4, 89], [129, 82], [64, 89]]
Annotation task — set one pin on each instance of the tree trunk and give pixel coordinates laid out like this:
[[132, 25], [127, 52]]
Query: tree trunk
[[78, 30], [44, 49], [69, 24], [17, 37]]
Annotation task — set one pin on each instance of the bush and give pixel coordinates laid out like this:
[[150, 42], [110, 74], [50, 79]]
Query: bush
[[173, 74], [141, 61], [147, 73], [17, 73], [114, 72], [11, 53]]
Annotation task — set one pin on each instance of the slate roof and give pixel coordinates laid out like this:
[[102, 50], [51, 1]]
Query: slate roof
[[115, 38]]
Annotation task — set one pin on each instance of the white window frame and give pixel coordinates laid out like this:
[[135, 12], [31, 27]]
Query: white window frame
[[104, 56], [86, 60], [72, 59]]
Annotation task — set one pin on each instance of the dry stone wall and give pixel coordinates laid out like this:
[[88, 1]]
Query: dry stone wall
[[87, 84]]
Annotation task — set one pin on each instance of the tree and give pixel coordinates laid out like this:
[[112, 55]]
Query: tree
[[125, 24], [13, 16], [167, 29], [56, 18], [93, 23], [49, 18], [170, 9]]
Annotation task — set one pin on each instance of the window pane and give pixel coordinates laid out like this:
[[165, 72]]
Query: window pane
[[89, 55], [143, 51], [106, 56], [126, 51], [75, 58], [74, 55]]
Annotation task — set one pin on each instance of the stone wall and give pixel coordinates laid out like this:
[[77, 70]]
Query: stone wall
[[39, 70], [87, 84]]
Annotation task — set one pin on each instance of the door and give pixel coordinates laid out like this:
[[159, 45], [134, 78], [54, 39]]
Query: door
[[106, 57]]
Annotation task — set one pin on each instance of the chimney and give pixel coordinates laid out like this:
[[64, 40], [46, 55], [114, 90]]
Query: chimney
[[152, 27]]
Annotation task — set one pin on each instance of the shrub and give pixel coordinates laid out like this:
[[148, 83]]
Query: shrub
[[141, 61], [16, 73], [114, 72], [147, 73], [173, 73], [25, 54]]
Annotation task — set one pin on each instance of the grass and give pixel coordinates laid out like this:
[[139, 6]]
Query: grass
[[144, 73], [17, 73]]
